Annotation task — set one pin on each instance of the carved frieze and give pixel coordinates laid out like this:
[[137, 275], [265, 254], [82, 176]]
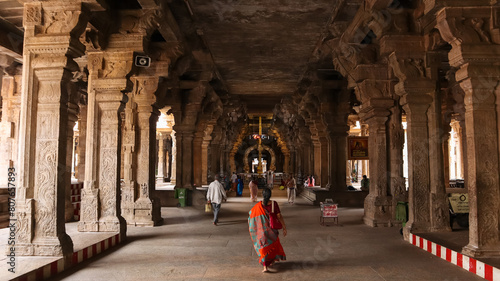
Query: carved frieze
[[141, 21]]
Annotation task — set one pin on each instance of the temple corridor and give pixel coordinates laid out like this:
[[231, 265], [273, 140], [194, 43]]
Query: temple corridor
[[113, 114]]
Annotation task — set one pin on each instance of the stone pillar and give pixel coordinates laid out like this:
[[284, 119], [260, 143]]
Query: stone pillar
[[167, 164], [463, 152], [147, 207], [396, 140], [306, 152], [197, 160], [378, 203], [340, 159], [80, 149], [482, 164], [286, 163], [173, 172], [475, 55], [214, 157], [204, 162], [439, 211], [323, 159], [9, 127], [129, 168], [415, 106], [48, 113], [161, 158], [101, 193], [317, 159], [204, 154], [128, 195], [187, 157], [337, 158]]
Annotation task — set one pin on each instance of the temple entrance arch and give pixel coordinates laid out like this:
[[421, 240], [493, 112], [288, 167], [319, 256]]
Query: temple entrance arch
[[254, 147]]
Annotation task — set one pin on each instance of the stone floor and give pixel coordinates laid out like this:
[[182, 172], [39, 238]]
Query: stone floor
[[189, 247]]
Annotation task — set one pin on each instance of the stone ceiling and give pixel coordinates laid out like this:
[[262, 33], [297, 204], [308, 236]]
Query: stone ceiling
[[261, 47]]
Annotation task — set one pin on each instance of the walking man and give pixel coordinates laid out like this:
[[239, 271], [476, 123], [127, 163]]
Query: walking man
[[215, 195]]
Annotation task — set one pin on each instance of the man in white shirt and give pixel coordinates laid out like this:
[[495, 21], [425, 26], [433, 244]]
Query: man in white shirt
[[215, 195]]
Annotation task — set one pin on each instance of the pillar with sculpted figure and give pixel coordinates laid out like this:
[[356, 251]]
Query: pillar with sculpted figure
[[100, 205], [415, 89], [48, 114], [396, 140], [129, 164], [147, 209], [475, 56]]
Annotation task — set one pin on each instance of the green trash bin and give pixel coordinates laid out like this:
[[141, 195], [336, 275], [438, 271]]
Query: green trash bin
[[402, 213], [181, 194]]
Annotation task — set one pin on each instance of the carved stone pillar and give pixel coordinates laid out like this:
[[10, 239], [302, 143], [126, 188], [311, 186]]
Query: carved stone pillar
[[161, 158], [439, 211], [197, 160], [48, 113], [286, 163], [147, 207], [204, 153], [482, 162], [173, 172], [128, 194], [9, 127], [416, 90], [101, 193], [396, 139], [167, 164], [80, 149], [474, 40], [185, 157], [323, 159], [378, 203], [293, 161], [416, 107], [214, 158], [337, 159], [306, 152]]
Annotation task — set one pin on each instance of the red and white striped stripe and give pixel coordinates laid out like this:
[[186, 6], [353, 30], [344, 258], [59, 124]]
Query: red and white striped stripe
[[57, 266], [481, 269]]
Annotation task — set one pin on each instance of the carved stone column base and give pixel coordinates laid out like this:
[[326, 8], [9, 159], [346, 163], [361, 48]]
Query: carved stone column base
[[109, 224], [88, 226], [147, 213], [378, 211], [46, 247], [476, 252]]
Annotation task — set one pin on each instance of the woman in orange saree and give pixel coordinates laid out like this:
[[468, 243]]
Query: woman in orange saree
[[265, 239]]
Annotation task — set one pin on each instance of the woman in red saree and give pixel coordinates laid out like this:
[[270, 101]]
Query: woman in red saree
[[265, 239]]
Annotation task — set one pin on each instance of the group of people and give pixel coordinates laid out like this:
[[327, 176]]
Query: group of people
[[264, 221]]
